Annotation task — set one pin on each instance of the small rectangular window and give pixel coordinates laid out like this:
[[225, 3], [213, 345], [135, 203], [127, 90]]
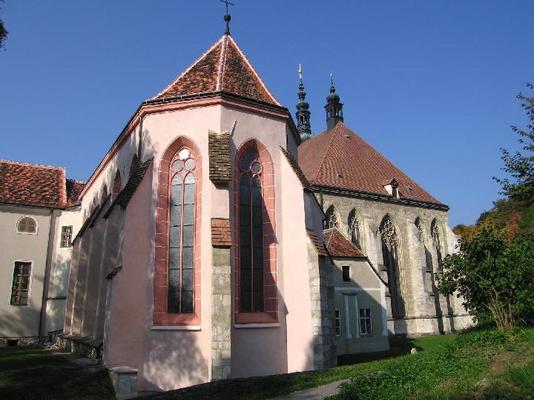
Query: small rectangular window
[[346, 273], [21, 283], [365, 321], [338, 323], [66, 236]]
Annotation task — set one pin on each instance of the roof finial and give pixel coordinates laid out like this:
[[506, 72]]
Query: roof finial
[[333, 107], [303, 111], [227, 16], [332, 86]]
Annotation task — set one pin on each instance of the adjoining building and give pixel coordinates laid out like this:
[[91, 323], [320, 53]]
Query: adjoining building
[[39, 215]]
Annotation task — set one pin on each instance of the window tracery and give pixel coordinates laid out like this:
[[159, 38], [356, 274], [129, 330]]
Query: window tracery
[[181, 233]]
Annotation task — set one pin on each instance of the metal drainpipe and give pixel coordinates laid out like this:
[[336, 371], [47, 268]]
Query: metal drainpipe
[[48, 267]]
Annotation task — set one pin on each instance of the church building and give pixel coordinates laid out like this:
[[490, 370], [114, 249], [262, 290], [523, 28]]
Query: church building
[[222, 239]]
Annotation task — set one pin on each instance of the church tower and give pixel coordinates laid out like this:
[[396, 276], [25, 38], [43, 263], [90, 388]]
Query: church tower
[[333, 107], [303, 111]]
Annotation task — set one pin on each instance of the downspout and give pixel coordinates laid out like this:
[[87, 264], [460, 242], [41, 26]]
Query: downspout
[[48, 267]]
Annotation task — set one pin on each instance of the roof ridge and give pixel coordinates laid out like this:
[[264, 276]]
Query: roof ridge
[[188, 69], [222, 59], [254, 71], [26, 164]]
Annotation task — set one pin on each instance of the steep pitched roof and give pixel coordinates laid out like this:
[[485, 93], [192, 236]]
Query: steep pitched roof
[[32, 184], [223, 68], [339, 246], [340, 158]]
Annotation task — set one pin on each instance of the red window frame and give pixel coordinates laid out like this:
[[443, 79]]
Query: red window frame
[[270, 290], [161, 316]]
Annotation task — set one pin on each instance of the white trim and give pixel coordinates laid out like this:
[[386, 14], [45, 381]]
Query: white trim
[[358, 327], [176, 328], [347, 318], [256, 326], [355, 290], [27, 233], [384, 311]]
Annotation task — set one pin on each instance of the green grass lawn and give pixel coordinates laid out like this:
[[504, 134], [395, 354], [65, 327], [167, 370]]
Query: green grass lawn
[[481, 364], [474, 365], [36, 373]]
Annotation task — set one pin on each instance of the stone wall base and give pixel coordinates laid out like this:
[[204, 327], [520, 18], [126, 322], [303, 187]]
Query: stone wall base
[[421, 326]]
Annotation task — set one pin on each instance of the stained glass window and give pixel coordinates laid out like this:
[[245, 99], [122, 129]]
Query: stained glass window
[[251, 232], [182, 233]]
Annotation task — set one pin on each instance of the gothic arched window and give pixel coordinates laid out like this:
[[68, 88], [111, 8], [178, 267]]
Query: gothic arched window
[[250, 232], [181, 232], [116, 185], [104, 194], [354, 229], [434, 232], [177, 248], [255, 258], [331, 218], [389, 240]]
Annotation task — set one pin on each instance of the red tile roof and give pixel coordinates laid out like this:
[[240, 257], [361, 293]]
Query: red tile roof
[[319, 246], [223, 68], [340, 158], [339, 246], [37, 185]]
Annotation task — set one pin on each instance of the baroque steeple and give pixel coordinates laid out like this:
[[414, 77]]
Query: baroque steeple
[[333, 107], [303, 111]]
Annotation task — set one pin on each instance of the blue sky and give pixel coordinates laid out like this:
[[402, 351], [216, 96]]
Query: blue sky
[[430, 84]]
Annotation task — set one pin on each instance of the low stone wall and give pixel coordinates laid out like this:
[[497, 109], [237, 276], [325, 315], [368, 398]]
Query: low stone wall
[[85, 346], [19, 341]]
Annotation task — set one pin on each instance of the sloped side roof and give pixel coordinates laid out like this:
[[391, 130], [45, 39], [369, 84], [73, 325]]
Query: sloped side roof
[[319, 246], [220, 157], [74, 190], [223, 68], [339, 246], [32, 185], [340, 158]]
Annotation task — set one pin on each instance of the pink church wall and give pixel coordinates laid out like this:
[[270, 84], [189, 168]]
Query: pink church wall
[[295, 259], [81, 283], [129, 293], [172, 357], [93, 278]]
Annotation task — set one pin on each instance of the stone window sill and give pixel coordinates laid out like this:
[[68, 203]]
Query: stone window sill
[[176, 328]]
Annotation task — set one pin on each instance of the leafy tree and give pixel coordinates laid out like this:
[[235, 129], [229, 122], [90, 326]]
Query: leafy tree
[[520, 165], [3, 33], [494, 276]]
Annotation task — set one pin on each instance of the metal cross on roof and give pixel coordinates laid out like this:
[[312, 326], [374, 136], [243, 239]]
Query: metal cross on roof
[[227, 16]]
